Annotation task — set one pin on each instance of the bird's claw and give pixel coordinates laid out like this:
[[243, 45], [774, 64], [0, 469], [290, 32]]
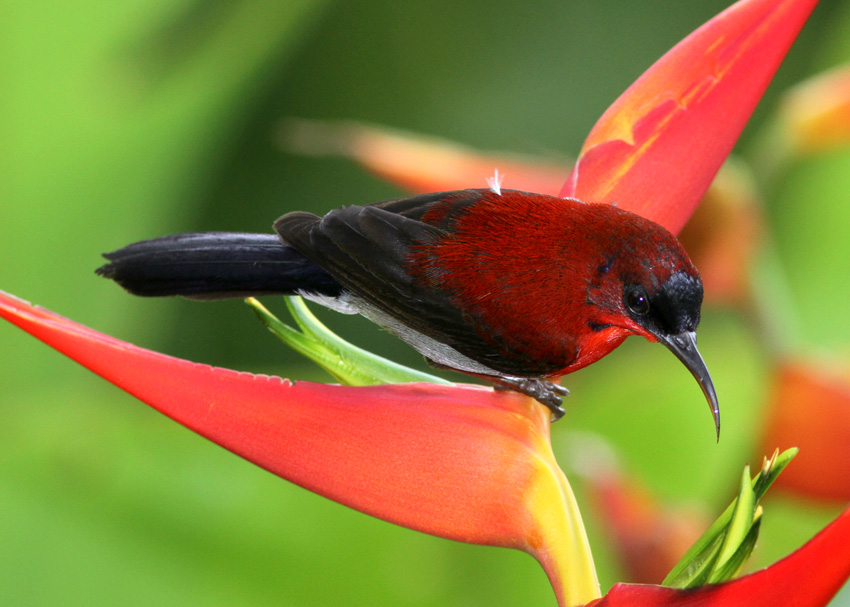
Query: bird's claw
[[543, 391]]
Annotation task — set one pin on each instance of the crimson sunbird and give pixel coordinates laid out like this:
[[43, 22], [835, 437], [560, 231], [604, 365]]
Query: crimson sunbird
[[513, 287]]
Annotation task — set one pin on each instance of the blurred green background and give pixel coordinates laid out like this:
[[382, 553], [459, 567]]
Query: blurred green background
[[128, 120]]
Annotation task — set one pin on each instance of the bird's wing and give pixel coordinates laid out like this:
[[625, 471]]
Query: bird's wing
[[368, 250], [451, 204]]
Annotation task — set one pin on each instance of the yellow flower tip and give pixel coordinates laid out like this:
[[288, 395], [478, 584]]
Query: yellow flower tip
[[815, 114], [555, 535]]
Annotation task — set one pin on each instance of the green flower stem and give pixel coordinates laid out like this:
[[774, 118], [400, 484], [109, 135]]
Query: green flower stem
[[345, 362]]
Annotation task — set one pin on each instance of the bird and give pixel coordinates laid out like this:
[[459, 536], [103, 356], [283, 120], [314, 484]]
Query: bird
[[515, 288]]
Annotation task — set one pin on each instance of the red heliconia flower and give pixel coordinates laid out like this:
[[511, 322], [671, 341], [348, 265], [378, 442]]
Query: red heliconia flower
[[815, 114], [460, 462], [478, 469], [657, 148], [479, 466], [809, 407], [809, 577]]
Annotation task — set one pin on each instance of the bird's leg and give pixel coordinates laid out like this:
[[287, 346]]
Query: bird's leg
[[545, 392], [541, 390]]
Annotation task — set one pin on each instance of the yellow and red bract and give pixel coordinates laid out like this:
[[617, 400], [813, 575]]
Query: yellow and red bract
[[657, 148], [460, 462]]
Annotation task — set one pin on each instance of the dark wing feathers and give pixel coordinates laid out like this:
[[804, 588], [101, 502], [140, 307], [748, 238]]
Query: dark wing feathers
[[415, 207], [366, 248]]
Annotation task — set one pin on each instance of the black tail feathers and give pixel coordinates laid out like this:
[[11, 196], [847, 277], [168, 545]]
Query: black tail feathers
[[216, 265]]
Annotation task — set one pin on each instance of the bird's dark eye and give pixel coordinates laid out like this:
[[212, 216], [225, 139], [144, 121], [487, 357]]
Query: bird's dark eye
[[637, 302]]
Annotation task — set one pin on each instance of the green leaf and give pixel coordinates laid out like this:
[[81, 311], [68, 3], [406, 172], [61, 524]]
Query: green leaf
[[741, 521], [728, 542], [347, 363], [729, 568], [695, 567]]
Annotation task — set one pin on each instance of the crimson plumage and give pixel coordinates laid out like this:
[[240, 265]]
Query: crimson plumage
[[514, 287], [547, 274]]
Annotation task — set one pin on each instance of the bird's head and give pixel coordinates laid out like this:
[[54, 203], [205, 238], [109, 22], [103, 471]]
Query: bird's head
[[650, 287]]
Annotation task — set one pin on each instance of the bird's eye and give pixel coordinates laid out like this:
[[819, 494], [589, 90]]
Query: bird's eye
[[637, 302]]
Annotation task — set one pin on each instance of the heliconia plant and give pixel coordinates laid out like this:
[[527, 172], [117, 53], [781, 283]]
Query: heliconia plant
[[480, 468], [809, 405], [815, 114], [713, 78]]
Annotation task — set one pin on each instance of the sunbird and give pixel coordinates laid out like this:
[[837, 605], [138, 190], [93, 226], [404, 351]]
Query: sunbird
[[513, 287]]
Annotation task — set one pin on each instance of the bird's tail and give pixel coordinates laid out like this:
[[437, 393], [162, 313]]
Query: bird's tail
[[216, 265]]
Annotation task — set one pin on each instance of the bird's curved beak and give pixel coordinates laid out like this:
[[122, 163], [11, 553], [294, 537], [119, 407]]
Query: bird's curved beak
[[684, 346]]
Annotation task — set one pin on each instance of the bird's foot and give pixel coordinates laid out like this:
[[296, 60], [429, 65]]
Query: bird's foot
[[543, 391]]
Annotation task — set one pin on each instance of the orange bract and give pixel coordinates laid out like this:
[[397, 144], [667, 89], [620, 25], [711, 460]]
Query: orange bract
[[657, 148], [810, 408], [460, 462]]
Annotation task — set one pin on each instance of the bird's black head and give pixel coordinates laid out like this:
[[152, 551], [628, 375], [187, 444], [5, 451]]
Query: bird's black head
[[671, 314], [672, 308]]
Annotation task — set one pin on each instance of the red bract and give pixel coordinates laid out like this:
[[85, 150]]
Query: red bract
[[460, 462], [809, 407], [657, 148], [809, 577]]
